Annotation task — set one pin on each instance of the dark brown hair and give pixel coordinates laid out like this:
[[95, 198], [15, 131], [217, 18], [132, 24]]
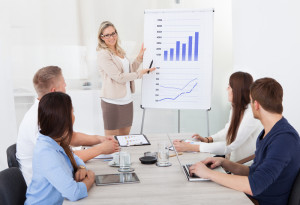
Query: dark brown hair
[[55, 120], [269, 94], [240, 83], [44, 78]]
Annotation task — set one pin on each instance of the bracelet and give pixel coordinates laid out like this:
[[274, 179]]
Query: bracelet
[[81, 167], [207, 139]]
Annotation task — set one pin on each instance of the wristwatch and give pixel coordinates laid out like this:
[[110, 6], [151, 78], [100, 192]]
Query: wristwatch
[[81, 167]]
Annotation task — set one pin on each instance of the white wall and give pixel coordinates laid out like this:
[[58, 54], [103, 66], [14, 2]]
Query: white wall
[[266, 43], [7, 116], [39, 25], [45, 33], [128, 17]]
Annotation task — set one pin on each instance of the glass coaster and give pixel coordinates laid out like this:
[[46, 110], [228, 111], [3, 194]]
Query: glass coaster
[[163, 165], [126, 170]]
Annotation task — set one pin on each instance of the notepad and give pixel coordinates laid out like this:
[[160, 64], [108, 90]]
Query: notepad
[[132, 140], [104, 156]]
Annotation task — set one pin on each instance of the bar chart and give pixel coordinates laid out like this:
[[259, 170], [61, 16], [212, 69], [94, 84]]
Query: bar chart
[[181, 48], [180, 44]]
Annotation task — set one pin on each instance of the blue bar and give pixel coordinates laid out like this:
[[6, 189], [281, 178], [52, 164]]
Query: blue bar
[[177, 50], [183, 51], [165, 55], [171, 54], [190, 48], [196, 46]]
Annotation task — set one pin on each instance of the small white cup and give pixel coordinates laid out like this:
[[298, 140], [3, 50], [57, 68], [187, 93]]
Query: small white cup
[[116, 158]]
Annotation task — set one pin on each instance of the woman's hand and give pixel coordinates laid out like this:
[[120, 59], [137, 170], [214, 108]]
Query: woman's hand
[[80, 174], [198, 137], [141, 53], [181, 146], [202, 139], [146, 71], [89, 179]]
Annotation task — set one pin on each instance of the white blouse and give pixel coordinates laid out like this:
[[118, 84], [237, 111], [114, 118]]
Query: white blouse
[[244, 144], [128, 98]]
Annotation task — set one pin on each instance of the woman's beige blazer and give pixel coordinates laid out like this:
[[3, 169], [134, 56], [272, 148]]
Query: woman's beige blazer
[[113, 77]]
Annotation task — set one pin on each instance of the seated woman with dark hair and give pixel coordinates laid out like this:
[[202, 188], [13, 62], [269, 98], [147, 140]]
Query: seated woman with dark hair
[[237, 140], [57, 172]]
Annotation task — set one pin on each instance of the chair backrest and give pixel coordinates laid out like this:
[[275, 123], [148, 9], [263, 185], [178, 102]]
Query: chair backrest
[[11, 156], [294, 198], [12, 186]]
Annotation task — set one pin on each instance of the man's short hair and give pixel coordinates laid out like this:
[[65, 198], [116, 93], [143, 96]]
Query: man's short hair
[[45, 78], [268, 93]]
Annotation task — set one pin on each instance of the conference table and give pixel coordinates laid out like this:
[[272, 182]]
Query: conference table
[[159, 185]]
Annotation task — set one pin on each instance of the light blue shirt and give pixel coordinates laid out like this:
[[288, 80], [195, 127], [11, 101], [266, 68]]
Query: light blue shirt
[[52, 179]]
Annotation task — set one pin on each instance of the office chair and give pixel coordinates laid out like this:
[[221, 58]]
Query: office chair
[[11, 156], [12, 186], [294, 198]]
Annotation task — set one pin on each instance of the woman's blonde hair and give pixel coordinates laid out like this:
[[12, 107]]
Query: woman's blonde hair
[[101, 43]]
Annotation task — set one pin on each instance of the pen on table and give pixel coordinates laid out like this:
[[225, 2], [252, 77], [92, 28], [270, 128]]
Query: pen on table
[[150, 66], [173, 155], [183, 140]]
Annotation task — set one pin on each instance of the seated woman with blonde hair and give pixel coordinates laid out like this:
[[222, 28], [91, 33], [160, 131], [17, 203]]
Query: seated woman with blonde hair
[[238, 139]]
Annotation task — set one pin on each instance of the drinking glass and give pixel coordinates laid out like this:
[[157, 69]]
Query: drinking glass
[[163, 155], [125, 162]]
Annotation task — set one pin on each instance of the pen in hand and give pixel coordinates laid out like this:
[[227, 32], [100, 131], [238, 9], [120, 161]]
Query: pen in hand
[[150, 67]]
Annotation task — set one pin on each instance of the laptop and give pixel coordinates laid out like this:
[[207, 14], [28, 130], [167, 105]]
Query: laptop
[[185, 169]]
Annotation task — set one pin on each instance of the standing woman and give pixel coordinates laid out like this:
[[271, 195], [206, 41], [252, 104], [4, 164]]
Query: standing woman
[[238, 139], [57, 172], [117, 75]]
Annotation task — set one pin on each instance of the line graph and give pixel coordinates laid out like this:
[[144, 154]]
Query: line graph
[[179, 94], [179, 88]]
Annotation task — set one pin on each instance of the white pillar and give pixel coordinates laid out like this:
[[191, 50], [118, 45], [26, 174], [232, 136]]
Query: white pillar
[[8, 132]]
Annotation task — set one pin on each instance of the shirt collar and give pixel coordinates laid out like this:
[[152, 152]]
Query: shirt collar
[[51, 141], [276, 126]]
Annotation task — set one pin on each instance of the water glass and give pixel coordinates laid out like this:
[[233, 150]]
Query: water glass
[[125, 162], [163, 155]]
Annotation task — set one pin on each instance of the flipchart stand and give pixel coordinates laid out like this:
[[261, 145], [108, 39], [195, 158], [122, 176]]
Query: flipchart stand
[[178, 126]]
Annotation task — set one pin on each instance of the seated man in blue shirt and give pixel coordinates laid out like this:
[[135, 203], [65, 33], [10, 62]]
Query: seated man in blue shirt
[[276, 164]]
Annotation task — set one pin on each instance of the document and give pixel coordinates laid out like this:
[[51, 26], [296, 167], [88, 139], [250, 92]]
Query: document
[[132, 140], [104, 156]]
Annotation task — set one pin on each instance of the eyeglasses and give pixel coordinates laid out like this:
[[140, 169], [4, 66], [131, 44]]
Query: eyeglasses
[[113, 34]]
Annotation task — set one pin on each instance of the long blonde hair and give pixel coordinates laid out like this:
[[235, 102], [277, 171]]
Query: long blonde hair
[[102, 44]]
